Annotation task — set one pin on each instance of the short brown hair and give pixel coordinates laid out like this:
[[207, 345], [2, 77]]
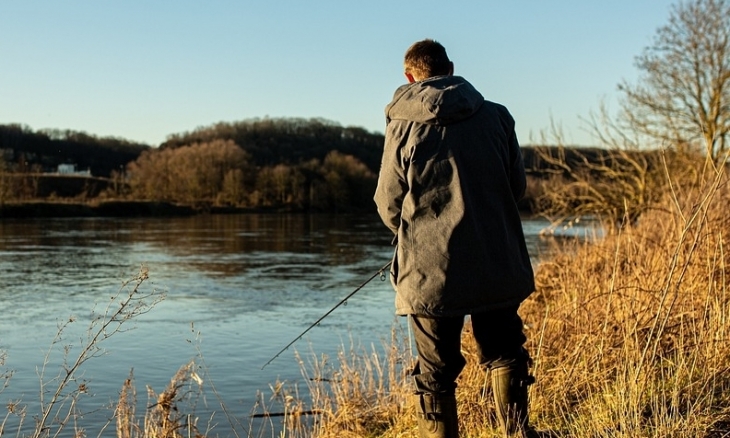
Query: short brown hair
[[426, 59]]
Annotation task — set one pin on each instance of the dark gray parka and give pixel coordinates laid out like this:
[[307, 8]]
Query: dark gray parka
[[450, 178]]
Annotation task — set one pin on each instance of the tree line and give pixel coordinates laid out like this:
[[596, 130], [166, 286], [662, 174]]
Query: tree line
[[259, 163], [221, 173]]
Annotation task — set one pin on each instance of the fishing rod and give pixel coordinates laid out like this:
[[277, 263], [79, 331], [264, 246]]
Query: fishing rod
[[380, 272]]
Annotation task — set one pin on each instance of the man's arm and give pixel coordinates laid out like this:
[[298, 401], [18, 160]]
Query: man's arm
[[392, 185], [518, 180]]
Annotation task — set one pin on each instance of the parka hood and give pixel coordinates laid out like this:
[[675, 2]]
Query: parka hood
[[440, 100]]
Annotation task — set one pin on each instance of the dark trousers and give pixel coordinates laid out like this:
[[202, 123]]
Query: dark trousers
[[499, 339]]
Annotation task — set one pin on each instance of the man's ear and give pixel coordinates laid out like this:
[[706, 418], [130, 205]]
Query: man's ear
[[451, 68], [410, 78]]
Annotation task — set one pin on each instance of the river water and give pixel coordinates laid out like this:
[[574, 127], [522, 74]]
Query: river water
[[237, 288]]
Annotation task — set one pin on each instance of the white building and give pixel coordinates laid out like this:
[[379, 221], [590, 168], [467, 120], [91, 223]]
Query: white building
[[70, 169]]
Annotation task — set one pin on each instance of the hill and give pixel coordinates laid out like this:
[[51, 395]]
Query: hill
[[42, 151], [289, 140]]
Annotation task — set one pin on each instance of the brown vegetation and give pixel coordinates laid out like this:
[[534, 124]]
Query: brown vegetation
[[629, 335], [220, 173], [614, 185]]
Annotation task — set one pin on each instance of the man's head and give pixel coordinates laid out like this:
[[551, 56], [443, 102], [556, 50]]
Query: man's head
[[426, 59]]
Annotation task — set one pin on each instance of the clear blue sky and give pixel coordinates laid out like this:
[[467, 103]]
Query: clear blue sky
[[142, 70]]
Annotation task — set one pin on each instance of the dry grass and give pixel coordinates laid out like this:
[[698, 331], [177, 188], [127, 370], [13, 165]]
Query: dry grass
[[362, 394], [164, 416], [631, 332], [629, 337]]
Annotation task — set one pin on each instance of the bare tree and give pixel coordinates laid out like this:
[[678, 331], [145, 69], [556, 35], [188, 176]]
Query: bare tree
[[683, 95]]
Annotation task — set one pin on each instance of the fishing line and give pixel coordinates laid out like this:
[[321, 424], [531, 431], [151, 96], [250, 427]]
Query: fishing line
[[380, 272]]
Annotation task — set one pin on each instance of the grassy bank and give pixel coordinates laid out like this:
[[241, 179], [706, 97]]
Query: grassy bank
[[629, 337]]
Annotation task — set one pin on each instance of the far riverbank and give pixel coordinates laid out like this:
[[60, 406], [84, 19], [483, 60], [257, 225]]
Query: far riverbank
[[130, 208], [114, 208]]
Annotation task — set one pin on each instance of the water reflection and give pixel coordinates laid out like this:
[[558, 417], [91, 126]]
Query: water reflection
[[196, 239], [208, 243]]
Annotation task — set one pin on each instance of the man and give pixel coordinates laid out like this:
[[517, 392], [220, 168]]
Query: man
[[450, 179]]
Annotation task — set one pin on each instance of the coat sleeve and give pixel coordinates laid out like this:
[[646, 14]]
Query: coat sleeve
[[392, 184], [518, 179]]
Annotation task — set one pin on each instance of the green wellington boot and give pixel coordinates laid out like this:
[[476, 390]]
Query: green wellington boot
[[436, 416], [509, 385]]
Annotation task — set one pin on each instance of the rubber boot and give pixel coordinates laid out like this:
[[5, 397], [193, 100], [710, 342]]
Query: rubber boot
[[509, 385], [436, 415]]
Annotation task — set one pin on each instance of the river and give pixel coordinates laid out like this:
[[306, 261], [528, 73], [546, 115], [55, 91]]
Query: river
[[237, 288]]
